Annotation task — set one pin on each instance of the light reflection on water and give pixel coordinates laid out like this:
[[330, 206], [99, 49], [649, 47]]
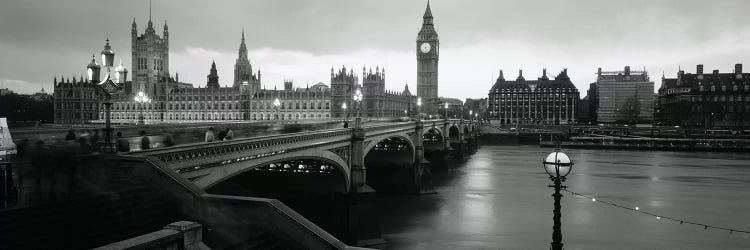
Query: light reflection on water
[[499, 199]]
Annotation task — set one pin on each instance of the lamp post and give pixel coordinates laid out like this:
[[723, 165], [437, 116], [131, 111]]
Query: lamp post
[[446, 110], [357, 105], [557, 165], [110, 88], [141, 98], [276, 104], [419, 108], [471, 112], [346, 115]]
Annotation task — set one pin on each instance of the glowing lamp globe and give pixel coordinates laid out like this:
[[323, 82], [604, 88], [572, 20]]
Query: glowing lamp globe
[[557, 164]]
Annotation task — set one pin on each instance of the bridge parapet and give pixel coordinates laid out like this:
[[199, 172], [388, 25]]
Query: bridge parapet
[[183, 157]]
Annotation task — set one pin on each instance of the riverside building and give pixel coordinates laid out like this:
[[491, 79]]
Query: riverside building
[[706, 100], [622, 97], [541, 101]]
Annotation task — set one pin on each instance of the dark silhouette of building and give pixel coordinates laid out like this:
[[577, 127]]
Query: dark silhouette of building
[[705, 100], [541, 101]]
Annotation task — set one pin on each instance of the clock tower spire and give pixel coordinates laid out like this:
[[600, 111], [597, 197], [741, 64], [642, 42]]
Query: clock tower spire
[[428, 46]]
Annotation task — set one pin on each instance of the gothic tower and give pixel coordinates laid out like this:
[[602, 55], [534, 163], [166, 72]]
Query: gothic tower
[[150, 60], [373, 85], [343, 86], [243, 71], [428, 46], [213, 77], [244, 78]]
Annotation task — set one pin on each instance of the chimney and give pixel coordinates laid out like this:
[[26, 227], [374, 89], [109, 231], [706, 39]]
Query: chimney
[[699, 69], [738, 68], [627, 70]]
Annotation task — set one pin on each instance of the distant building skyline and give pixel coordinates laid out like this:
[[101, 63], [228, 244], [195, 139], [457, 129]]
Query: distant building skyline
[[305, 42]]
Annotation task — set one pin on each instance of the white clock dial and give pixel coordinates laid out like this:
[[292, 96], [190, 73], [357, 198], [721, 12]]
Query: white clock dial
[[425, 47]]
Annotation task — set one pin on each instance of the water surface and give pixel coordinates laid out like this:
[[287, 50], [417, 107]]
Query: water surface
[[498, 199]]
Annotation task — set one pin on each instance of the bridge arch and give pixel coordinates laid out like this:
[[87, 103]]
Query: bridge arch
[[454, 132], [390, 163], [239, 168], [379, 139]]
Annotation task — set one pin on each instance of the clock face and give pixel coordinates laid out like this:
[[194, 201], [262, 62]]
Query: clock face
[[425, 47]]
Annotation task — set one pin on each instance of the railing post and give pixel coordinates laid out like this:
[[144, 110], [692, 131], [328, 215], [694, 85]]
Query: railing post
[[192, 234], [358, 170]]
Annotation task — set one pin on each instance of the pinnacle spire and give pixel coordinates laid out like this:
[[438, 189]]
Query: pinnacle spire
[[427, 12]]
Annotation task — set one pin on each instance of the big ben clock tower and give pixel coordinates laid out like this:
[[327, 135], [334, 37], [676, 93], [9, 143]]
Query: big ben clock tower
[[428, 47]]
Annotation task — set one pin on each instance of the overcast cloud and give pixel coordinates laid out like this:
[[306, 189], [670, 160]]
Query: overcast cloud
[[301, 40]]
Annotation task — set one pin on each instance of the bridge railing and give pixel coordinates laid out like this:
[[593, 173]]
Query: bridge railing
[[206, 150]]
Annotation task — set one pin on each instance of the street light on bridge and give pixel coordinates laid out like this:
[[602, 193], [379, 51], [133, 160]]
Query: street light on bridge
[[419, 108], [276, 104], [141, 98], [357, 105], [346, 115], [446, 110], [557, 165]]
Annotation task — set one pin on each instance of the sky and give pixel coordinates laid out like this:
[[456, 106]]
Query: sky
[[301, 40]]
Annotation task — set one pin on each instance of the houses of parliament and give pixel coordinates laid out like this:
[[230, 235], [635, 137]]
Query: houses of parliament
[[80, 101]]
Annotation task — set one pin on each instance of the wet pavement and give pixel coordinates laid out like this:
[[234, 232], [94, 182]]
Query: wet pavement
[[498, 199]]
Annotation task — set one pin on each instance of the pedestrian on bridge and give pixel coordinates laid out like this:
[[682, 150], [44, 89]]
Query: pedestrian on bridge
[[346, 124], [71, 136], [145, 142], [229, 134], [123, 145], [210, 134], [221, 135]]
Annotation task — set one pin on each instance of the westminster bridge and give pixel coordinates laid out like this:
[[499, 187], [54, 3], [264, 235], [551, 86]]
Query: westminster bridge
[[306, 190], [329, 176]]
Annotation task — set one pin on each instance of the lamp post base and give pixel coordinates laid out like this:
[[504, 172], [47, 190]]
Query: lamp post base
[[557, 226]]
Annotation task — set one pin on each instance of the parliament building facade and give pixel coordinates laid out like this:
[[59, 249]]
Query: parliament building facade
[[79, 101]]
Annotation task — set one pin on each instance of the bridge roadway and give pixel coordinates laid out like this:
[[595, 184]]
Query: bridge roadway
[[330, 152]]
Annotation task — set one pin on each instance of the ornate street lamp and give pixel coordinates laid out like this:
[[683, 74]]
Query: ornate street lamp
[[276, 104], [141, 98], [557, 165], [446, 110], [110, 88], [346, 115], [419, 108], [357, 105]]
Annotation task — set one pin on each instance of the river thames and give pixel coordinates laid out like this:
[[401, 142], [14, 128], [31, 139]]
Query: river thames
[[498, 198]]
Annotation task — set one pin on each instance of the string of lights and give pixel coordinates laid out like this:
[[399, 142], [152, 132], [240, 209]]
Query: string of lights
[[657, 216]]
